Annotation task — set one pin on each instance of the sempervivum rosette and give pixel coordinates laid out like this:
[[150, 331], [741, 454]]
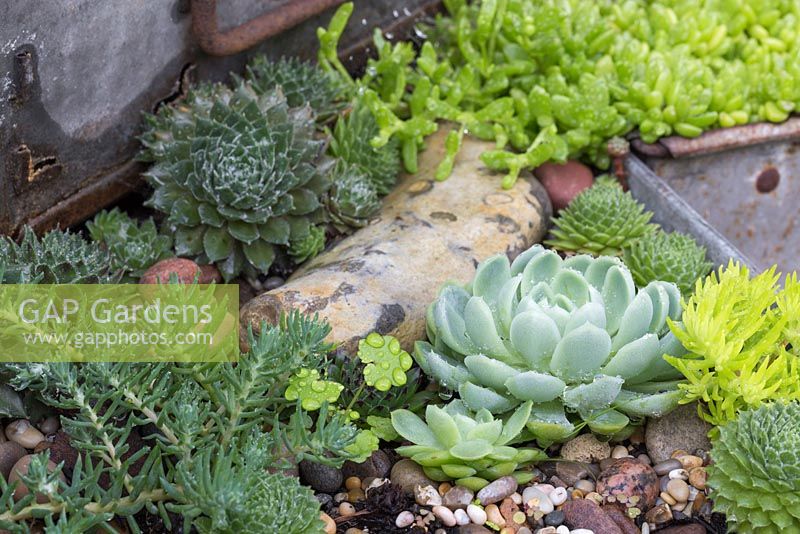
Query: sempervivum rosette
[[572, 336], [239, 175]]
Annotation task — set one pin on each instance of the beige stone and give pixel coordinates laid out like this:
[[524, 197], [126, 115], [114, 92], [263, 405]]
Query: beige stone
[[383, 277]]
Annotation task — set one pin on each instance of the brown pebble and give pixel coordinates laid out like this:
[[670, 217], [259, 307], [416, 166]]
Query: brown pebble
[[23, 432], [50, 425], [352, 483], [330, 524], [444, 487], [355, 495], [10, 453], [186, 271], [698, 503], [577, 494], [659, 514], [594, 496], [698, 477], [637, 438], [689, 461], [346, 509], [353, 530], [564, 181], [678, 453], [493, 514], [679, 489], [667, 498]]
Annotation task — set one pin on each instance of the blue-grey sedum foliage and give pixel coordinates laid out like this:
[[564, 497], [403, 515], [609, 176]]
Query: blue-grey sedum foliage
[[573, 336]]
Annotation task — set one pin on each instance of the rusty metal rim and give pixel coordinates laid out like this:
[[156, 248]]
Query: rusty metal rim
[[720, 140], [215, 42]]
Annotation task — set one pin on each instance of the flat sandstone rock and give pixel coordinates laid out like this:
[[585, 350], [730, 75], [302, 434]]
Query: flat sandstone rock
[[383, 277]]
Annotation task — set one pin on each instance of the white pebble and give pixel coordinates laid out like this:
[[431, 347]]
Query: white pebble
[[404, 519], [544, 488], [461, 517], [558, 496], [538, 500], [477, 514], [445, 515], [645, 528], [582, 531], [681, 474], [516, 497], [427, 496], [562, 529], [620, 451]]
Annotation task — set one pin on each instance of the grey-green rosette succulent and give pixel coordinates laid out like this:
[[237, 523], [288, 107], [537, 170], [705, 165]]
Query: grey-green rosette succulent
[[573, 336], [239, 174]]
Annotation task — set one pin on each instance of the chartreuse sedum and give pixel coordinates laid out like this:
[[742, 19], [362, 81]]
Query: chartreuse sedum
[[573, 337], [454, 443], [241, 176]]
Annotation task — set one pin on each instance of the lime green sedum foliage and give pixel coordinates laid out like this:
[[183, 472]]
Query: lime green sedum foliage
[[672, 257], [386, 362], [306, 385], [743, 338], [239, 175], [472, 448], [302, 83], [755, 477], [57, 258], [572, 336], [134, 247], [601, 220]]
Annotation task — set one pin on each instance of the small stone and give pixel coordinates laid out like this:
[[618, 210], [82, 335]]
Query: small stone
[[563, 181], [24, 433], [630, 478], [458, 497], [476, 514], [50, 425], [678, 489], [498, 490], [340, 497], [186, 271], [330, 524], [273, 282], [509, 510], [698, 477], [563, 529], [404, 519], [474, 529], [406, 475], [524, 530], [698, 503], [356, 495], [324, 499], [678, 507], [320, 477], [20, 470], [663, 468], [571, 472], [461, 517], [677, 453], [557, 482], [582, 531], [594, 496], [585, 448], [619, 515], [10, 453], [516, 497], [372, 482], [587, 514], [605, 463], [352, 483], [547, 530], [643, 458], [346, 509], [353, 530], [558, 496], [493, 515], [667, 498], [535, 499], [679, 429], [659, 515], [554, 518], [544, 488], [427, 496], [662, 483], [377, 465], [619, 451], [688, 528], [689, 461], [678, 473], [445, 515], [443, 488], [586, 486]]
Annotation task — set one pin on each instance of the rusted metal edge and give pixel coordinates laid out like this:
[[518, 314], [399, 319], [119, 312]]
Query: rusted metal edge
[[673, 213], [215, 42], [101, 192], [719, 140]]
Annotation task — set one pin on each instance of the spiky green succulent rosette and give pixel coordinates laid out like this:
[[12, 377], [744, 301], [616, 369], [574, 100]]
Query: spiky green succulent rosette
[[755, 477], [601, 220], [351, 142], [352, 199], [238, 174], [572, 336], [57, 258], [672, 257], [301, 82]]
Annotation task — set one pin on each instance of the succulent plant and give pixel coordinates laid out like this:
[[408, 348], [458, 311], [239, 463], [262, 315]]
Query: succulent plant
[[755, 477], [671, 257], [308, 246], [387, 363], [306, 385], [352, 199], [568, 334], [472, 448], [301, 82], [351, 142], [57, 258], [601, 220], [239, 176], [133, 247]]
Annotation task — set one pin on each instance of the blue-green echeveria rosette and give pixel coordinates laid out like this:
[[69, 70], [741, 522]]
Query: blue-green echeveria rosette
[[755, 477], [572, 336], [240, 175]]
